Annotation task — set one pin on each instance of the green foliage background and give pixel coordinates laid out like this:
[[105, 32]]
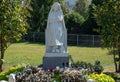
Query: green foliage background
[[73, 22]]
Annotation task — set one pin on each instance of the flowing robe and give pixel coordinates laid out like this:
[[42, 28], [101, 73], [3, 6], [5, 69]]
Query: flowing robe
[[56, 31]]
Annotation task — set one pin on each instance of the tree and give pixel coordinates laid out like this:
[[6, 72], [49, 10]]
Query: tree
[[90, 26], [38, 13], [98, 2], [107, 16], [12, 24], [64, 7], [73, 22], [82, 7]]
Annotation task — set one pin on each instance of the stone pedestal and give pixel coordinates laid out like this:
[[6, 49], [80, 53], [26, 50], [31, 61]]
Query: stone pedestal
[[51, 60]]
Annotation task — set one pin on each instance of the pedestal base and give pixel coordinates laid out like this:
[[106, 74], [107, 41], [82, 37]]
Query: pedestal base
[[53, 61]]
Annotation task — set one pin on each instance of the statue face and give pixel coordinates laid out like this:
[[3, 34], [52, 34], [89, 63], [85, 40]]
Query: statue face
[[56, 7]]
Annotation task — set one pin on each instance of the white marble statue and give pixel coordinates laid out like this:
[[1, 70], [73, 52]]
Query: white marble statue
[[12, 78], [90, 80], [56, 34]]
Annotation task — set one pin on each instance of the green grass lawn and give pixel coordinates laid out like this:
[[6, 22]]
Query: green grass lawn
[[30, 53]]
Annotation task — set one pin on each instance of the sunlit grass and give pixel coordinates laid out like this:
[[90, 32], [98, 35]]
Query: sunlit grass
[[24, 53], [88, 54], [30, 53]]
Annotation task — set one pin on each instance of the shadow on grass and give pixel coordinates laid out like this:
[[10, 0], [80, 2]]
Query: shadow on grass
[[29, 42]]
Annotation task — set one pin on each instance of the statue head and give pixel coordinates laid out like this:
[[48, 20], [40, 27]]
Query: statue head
[[56, 7]]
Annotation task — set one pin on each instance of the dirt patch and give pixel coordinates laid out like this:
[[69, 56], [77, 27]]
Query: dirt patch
[[109, 69]]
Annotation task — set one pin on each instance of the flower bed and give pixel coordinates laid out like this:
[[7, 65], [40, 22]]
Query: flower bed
[[79, 72], [36, 74], [101, 77]]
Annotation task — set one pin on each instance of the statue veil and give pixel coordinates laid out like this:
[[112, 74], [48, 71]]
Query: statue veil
[[56, 34]]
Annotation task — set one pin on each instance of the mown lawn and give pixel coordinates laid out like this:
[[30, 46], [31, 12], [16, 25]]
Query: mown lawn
[[30, 53]]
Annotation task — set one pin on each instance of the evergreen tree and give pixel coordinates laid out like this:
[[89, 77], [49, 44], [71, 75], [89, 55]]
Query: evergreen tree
[[38, 13], [90, 26]]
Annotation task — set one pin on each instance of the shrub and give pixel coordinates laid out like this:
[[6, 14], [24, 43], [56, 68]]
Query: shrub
[[83, 64], [101, 77], [97, 67], [3, 75], [116, 76], [33, 74], [72, 74], [56, 78]]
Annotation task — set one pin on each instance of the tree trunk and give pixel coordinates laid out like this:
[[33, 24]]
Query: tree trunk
[[115, 62], [1, 59], [0, 68], [119, 63], [2, 52], [118, 59]]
